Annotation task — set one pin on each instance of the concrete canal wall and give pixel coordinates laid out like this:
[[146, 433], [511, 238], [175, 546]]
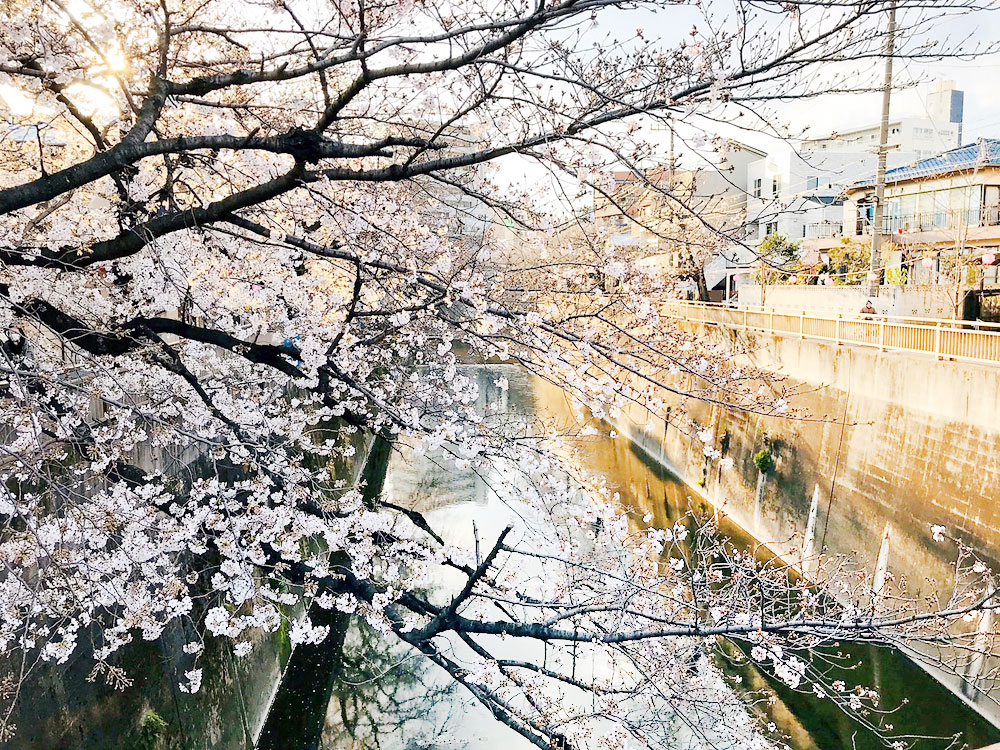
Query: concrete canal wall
[[890, 439], [68, 707]]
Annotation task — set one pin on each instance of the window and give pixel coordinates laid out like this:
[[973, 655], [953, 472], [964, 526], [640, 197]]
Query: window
[[775, 186], [803, 230], [991, 205], [756, 188], [812, 183], [866, 211], [771, 227]]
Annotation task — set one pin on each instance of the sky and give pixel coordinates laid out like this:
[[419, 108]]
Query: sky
[[977, 77]]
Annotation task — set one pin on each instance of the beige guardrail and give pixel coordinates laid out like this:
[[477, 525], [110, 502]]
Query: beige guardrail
[[944, 338]]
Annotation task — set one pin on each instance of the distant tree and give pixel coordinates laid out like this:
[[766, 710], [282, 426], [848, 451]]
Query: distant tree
[[779, 250], [778, 258], [849, 262]]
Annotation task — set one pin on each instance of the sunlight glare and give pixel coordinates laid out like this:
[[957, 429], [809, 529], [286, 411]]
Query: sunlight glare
[[93, 102], [117, 62], [18, 102]]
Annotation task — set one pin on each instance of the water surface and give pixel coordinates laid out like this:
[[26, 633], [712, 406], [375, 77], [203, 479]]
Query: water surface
[[388, 697]]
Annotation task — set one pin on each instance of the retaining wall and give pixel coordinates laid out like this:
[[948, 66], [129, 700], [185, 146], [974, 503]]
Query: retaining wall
[[890, 439], [61, 708]]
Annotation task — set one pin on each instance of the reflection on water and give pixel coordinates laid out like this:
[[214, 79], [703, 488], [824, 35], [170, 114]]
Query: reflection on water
[[387, 698], [391, 698]]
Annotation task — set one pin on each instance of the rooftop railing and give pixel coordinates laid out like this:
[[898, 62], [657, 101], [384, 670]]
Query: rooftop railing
[[824, 229]]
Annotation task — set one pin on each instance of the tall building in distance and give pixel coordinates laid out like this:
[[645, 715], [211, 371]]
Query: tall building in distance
[[939, 129], [946, 104]]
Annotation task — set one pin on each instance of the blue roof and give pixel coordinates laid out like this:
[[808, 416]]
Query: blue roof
[[984, 153]]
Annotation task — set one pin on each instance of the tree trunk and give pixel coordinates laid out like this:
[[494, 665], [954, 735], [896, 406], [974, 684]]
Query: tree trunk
[[298, 713], [702, 285]]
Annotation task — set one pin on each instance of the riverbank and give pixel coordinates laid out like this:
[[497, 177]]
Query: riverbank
[[137, 705], [871, 440]]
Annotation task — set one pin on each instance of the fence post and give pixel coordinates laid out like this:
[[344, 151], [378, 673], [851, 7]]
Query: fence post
[[837, 327], [771, 319], [802, 319], [881, 336], [744, 318], [937, 340]]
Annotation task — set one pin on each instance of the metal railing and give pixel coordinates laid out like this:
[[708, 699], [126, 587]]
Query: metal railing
[[985, 216], [935, 219], [824, 229], [944, 338]]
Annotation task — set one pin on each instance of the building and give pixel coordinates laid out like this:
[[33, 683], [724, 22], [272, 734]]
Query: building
[[452, 205], [945, 204], [941, 222], [681, 221], [940, 129], [798, 193]]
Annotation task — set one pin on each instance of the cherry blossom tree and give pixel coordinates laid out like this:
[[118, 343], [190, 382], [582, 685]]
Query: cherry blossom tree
[[241, 241]]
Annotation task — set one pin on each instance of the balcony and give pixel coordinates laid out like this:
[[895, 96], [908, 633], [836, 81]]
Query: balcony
[[823, 229], [986, 216]]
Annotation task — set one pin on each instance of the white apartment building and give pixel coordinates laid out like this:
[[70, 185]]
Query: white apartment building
[[798, 193], [940, 129]]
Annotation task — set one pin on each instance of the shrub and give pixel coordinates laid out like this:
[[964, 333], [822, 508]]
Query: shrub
[[151, 730], [764, 461]]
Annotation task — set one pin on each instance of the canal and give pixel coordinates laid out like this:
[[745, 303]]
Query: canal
[[390, 698]]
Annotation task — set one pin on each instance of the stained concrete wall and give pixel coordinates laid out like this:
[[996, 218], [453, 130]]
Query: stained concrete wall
[[63, 707], [889, 438]]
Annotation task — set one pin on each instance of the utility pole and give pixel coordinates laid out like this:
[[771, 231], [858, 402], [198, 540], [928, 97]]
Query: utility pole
[[875, 272], [670, 176]]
